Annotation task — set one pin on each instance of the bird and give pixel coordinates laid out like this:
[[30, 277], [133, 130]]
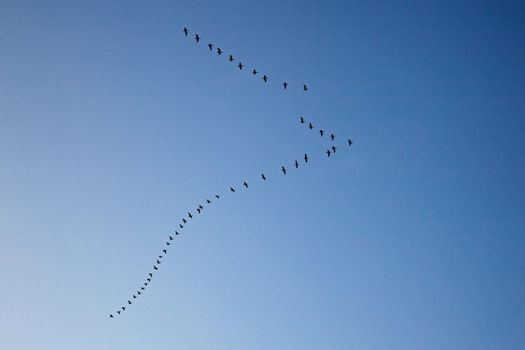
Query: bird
[[232, 189], [129, 302], [310, 125], [265, 78], [171, 238], [306, 158], [208, 201], [110, 315], [197, 38], [199, 210], [245, 184], [263, 177], [302, 120], [333, 149], [296, 164], [254, 72], [283, 169], [321, 131], [240, 65], [181, 226], [123, 308], [184, 220], [176, 233], [139, 292], [168, 243], [134, 296], [185, 30], [158, 261], [219, 51], [148, 279], [231, 59], [210, 46], [155, 267], [142, 288], [328, 152], [165, 251], [332, 137], [217, 196], [305, 88], [160, 256], [201, 207], [285, 85], [350, 142], [118, 312], [150, 274], [190, 216], [145, 284]]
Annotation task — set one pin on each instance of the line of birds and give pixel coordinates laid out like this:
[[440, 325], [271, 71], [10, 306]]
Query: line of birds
[[219, 51], [200, 208]]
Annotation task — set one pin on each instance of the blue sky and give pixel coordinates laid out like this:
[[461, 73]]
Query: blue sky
[[113, 126]]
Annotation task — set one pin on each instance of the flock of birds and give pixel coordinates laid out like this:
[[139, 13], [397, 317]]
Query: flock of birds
[[330, 151]]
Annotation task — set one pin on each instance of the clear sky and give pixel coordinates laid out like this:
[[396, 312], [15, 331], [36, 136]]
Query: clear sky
[[113, 126]]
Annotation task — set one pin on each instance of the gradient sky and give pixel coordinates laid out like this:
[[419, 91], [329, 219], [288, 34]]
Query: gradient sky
[[113, 126]]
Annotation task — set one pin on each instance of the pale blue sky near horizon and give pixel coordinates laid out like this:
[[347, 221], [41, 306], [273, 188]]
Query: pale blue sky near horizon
[[113, 126]]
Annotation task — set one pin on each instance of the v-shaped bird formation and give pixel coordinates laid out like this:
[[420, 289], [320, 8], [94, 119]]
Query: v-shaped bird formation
[[244, 184]]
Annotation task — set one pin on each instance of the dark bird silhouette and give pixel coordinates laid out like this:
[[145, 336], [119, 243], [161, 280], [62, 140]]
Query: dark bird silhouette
[[210, 46], [219, 51], [328, 152], [321, 131], [305, 88], [171, 238], [176, 233], [306, 158], [333, 149], [201, 207], [232, 189], [181, 226], [129, 302], [118, 312], [190, 216], [184, 220], [197, 38], [217, 196], [254, 72], [158, 261], [285, 85], [142, 288], [302, 120], [145, 284], [123, 308], [165, 251], [150, 274], [185, 30], [199, 210], [240, 65], [155, 267], [134, 296], [283, 169], [332, 137], [296, 164], [139, 292], [263, 177], [168, 243], [208, 201], [310, 125], [160, 256], [350, 142], [148, 279], [265, 78], [245, 184], [231, 59], [110, 315]]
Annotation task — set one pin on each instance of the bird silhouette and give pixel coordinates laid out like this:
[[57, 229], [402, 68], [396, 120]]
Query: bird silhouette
[[350, 142], [184, 220], [118, 312], [302, 120], [210, 46], [306, 158], [321, 131], [263, 177], [110, 315], [134, 296], [310, 125], [129, 302], [139, 292], [217, 196], [201, 207], [150, 274], [190, 216], [181, 226], [171, 238], [123, 308], [142, 288], [185, 30], [245, 184], [232, 189], [168, 243], [176, 233], [333, 149], [208, 201], [265, 78], [332, 137], [240, 65], [296, 164], [283, 169], [165, 251], [197, 38], [158, 261], [148, 279], [328, 152], [160, 256], [254, 72], [231, 59], [155, 267], [305, 88], [285, 85], [199, 210], [219, 51]]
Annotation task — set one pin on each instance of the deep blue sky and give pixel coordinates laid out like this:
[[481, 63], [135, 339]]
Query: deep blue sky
[[113, 126]]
